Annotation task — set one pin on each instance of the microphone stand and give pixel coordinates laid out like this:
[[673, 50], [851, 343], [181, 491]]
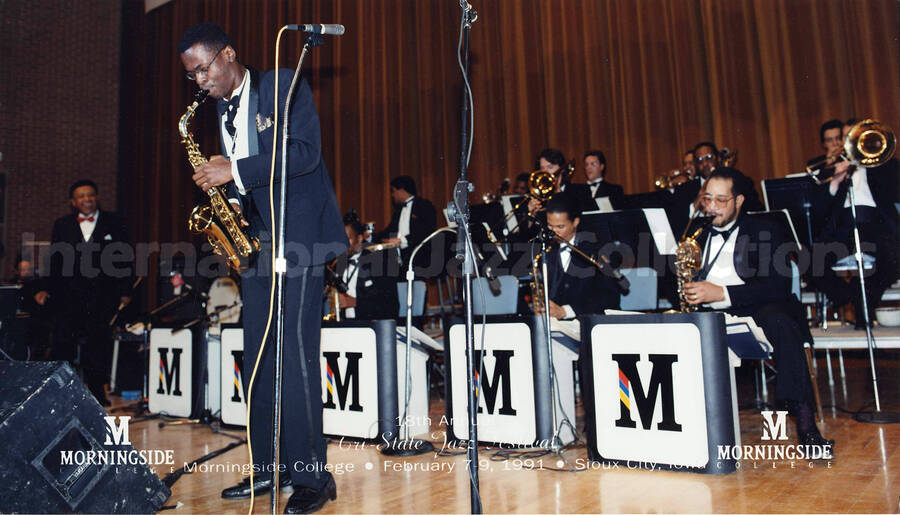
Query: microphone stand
[[404, 445], [460, 211], [311, 40]]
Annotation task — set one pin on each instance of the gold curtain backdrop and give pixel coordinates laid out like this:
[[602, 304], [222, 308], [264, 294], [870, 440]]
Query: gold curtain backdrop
[[642, 80]]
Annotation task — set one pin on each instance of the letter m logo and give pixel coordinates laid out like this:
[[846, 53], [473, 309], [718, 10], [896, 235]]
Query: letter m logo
[[169, 373], [338, 384], [497, 383], [661, 382], [774, 429], [117, 434]]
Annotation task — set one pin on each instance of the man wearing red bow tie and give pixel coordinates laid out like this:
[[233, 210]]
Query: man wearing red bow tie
[[90, 269]]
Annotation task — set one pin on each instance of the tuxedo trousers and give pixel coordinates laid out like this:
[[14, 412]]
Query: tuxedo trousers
[[302, 451], [785, 326]]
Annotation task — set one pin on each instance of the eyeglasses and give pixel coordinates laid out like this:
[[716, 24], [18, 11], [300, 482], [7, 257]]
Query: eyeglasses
[[205, 70], [707, 157], [720, 200]]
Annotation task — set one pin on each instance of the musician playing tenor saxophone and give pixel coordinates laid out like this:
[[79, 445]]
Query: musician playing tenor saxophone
[[314, 234], [741, 275]]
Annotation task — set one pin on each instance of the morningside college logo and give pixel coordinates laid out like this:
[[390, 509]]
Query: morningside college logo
[[774, 430], [117, 436], [661, 382]]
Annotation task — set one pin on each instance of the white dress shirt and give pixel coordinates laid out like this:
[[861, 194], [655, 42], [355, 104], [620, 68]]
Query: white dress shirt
[[403, 223], [87, 228], [722, 273], [351, 273], [239, 146], [565, 258], [861, 191], [594, 185]]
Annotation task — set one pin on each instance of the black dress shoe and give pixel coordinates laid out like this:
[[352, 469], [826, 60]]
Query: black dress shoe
[[260, 486], [815, 438], [309, 500]]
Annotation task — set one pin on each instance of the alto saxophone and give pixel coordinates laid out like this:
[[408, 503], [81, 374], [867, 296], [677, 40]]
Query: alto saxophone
[[688, 257], [223, 225]]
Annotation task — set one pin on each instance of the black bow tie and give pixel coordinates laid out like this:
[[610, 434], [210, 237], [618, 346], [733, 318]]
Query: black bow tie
[[725, 233], [231, 107]]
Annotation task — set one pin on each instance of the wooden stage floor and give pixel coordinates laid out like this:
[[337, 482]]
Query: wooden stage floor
[[863, 477]]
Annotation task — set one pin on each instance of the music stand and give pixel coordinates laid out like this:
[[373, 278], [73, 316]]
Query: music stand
[[801, 197]]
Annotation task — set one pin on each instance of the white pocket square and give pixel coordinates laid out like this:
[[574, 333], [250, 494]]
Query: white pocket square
[[108, 237]]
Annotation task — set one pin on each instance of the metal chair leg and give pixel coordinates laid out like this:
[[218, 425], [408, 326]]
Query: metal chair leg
[[810, 364]]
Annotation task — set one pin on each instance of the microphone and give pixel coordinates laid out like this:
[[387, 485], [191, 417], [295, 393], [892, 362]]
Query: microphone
[[331, 29]]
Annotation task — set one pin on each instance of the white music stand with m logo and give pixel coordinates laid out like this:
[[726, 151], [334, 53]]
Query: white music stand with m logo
[[170, 372]]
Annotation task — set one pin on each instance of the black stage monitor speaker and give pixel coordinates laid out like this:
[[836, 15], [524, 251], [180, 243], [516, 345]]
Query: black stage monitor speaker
[[60, 453]]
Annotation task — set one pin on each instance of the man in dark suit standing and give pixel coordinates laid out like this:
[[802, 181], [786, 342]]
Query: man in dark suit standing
[[246, 106], [414, 218], [597, 187], [576, 286], [741, 276], [370, 293], [90, 279]]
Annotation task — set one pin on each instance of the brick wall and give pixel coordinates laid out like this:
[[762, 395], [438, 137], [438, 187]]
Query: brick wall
[[59, 109]]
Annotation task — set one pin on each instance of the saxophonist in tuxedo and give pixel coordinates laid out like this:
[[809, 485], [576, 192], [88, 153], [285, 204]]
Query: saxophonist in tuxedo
[[741, 276], [575, 286], [246, 107]]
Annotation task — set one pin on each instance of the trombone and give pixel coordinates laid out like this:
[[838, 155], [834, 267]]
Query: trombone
[[868, 144]]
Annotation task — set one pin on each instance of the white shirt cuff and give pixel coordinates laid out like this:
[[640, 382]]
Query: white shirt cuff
[[237, 178], [570, 313], [403, 242], [722, 304]]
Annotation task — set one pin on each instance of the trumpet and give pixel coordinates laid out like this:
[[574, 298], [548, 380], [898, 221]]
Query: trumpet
[[490, 196], [868, 144], [674, 178]]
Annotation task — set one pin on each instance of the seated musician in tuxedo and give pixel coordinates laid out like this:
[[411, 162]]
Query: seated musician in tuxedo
[[553, 161], [575, 286], [370, 293], [597, 187], [876, 191], [740, 276], [684, 200], [831, 135], [414, 218]]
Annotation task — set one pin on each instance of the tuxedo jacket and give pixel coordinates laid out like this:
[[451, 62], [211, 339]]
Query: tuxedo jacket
[[422, 222], [765, 279], [376, 292], [313, 218], [884, 184], [89, 277], [581, 285], [606, 189]]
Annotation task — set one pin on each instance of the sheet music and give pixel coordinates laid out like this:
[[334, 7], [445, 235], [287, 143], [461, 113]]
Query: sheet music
[[508, 202], [736, 325], [570, 328], [661, 230], [419, 337], [603, 204]]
